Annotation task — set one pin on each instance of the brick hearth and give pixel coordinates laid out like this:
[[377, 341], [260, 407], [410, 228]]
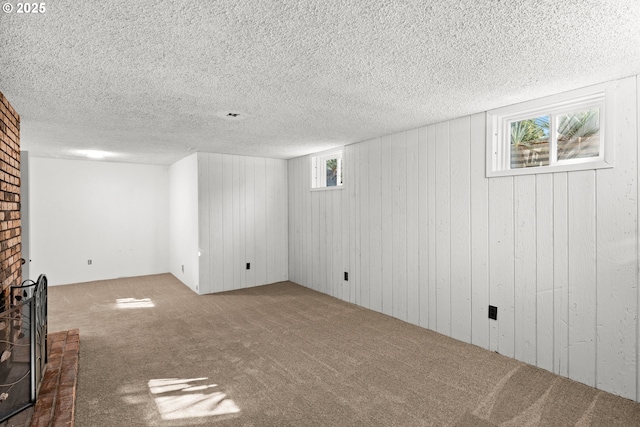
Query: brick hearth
[[56, 402]]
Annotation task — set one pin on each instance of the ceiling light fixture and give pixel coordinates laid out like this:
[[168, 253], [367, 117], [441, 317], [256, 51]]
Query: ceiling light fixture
[[95, 154]]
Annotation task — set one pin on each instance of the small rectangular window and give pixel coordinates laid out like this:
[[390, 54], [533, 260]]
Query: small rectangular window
[[326, 170], [560, 133], [530, 142], [578, 135]]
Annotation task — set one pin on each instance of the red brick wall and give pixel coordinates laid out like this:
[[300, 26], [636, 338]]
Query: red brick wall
[[10, 241]]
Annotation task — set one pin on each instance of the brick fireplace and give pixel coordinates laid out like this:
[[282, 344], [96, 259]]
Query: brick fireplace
[[10, 240]]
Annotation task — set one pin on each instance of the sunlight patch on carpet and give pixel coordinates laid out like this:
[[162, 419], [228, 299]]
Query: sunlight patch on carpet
[[134, 303], [189, 398]]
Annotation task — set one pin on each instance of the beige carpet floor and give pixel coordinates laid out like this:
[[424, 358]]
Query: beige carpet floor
[[155, 354]]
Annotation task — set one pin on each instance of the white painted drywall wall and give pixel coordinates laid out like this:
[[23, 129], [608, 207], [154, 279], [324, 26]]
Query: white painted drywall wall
[[242, 219], [183, 219], [25, 216], [427, 238], [114, 214]]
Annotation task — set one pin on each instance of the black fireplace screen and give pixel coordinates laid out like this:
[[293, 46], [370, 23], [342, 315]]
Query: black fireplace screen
[[23, 346]]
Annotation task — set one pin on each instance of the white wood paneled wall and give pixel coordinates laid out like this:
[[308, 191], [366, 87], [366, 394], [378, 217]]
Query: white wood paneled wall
[[242, 219], [428, 239]]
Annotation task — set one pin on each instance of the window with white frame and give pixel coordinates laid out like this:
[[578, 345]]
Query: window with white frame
[[326, 170], [559, 133]]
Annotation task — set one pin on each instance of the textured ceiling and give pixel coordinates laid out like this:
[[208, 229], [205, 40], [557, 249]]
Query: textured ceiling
[[152, 81]]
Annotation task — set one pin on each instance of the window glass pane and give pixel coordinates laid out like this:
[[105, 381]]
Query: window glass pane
[[530, 142], [579, 135], [332, 172]]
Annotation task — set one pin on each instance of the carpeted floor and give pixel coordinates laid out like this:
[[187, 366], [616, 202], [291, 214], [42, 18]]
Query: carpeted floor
[[155, 354]]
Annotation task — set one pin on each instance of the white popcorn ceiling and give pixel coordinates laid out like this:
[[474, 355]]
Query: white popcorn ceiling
[[153, 81]]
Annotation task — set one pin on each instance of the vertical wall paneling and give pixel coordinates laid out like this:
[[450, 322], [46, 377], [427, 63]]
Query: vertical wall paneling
[[377, 173], [329, 234], [544, 271], [399, 221], [431, 221], [479, 235], [582, 276], [250, 221], [560, 275], [296, 248], [345, 198], [336, 247], [294, 220], [322, 241], [330, 241], [364, 278], [301, 192], [616, 226], [273, 257], [525, 268], [354, 226], [460, 161], [321, 261], [387, 230], [315, 239], [501, 258], [308, 221], [238, 220], [423, 229], [352, 185], [413, 250], [242, 219], [205, 227], [204, 233], [443, 229], [302, 222], [228, 223], [282, 219], [296, 198], [216, 249], [427, 238], [262, 183]]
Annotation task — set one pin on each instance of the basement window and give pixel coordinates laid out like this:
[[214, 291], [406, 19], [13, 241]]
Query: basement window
[[326, 170], [558, 133]]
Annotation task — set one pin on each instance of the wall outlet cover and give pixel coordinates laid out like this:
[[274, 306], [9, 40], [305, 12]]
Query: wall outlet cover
[[493, 312]]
